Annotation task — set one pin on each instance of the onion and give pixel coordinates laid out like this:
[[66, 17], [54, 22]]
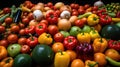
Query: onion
[[73, 19], [38, 15], [98, 3], [65, 14], [38, 7], [65, 7], [33, 23], [64, 24], [58, 5]]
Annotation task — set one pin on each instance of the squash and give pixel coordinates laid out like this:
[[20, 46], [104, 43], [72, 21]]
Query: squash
[[42, 54], [22, 60], [111, 32]]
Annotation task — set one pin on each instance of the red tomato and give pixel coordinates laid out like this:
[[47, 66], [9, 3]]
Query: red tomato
[[30, 16], [22, 41], [86, 6], [81, 11], [12, 38], [22, 32], [95, 8], [79, 23], [2, 29], [8, 20], [25, 20], [4, 43], [15, 29], [58, 37], [44, 21], [25, 49], [6, 10], [53, 29], [76, 6], [75, 13]]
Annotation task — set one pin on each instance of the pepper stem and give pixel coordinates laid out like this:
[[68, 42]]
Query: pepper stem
[[92, 65], [60, 52], [31, 37], [101, 39], [8, 60]]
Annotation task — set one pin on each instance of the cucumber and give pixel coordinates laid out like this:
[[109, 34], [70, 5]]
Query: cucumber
[[113, 62]]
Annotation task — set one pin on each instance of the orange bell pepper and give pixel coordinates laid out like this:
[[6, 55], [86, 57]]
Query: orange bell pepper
[[3, 52], [100, 44], [7, 62], [84, 37]]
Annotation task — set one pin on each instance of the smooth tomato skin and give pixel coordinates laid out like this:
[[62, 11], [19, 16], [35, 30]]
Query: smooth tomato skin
[[22, 40], [22, 32], [79, 23], [58, 37], [4, 43], [2, 29], [8, 20], [15, 29], [53, 29], [12, 38], [25, 49], [44, 21]]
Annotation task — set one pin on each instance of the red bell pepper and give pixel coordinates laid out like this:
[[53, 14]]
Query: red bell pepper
[[101, 12], [52, 17], [85, 51], [32, 41], [114, 44], [105, 19], [70, 42], [30, 30], [118, 14], [40, 28]]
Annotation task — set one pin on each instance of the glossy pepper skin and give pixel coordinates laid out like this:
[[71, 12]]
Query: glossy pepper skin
[[32, 41], [84, 37], [89, 63], [100, 44], [62, 59], [7, 62], [45, 38], [114, 44], [105, 19], [85, 51], [41, 28], [52, 17], [70, 42], [94, 34], [3, 52], [30, 30], [93, 19]]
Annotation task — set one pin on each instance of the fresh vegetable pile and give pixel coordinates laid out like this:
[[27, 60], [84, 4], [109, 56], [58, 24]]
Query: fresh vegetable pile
[[60, 35]]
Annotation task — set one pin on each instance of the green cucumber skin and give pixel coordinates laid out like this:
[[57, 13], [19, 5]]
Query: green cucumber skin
[[113, 62]]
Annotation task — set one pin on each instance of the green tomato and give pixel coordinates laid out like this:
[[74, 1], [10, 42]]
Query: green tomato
[[86, 29], [65, 33], [75, 30], [13, 49]]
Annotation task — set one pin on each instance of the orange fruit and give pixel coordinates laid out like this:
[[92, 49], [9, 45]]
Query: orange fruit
[[100, 58], [77, 63], [57, 46], [112, 53], [72, 54]]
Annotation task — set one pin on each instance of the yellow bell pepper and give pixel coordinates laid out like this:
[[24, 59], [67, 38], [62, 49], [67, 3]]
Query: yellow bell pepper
[[93, 19], [7, 62], [100, 44], [94, 34], [62, 59], [45, 38], [84, 37], [89, 63]]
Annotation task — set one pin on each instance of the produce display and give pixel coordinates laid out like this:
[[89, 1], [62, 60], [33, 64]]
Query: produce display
[[60, 35]]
